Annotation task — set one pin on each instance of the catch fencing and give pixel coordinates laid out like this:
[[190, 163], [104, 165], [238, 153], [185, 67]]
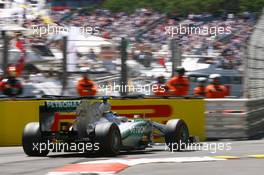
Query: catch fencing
[[242, 118], [254, 63]]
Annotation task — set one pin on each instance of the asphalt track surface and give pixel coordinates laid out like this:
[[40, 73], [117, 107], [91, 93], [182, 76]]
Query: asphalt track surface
[[245, 157]]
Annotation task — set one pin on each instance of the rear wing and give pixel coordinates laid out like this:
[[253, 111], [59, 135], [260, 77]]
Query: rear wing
[[55, 116]]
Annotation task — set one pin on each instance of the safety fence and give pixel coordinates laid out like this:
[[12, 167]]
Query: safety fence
[[234, 118], [242, 118], [254, 63]]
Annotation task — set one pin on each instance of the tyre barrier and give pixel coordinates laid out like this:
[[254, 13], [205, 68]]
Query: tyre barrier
[[234, 118]]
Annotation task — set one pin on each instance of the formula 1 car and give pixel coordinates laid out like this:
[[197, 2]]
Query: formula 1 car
[[94, 122]]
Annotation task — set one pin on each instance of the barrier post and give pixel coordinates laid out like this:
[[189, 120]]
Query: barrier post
[[5, 52], [64, 65], [172, 47], [175, 55], [123, 66]]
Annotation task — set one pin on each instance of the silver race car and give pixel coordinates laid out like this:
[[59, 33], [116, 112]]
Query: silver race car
[[95, 124]]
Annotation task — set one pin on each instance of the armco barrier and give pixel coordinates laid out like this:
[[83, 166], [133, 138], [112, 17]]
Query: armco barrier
[[234, 118], [16, 114]]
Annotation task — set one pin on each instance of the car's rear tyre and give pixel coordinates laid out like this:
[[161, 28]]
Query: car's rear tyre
[[176, 135], [109, 138], [31, 140]]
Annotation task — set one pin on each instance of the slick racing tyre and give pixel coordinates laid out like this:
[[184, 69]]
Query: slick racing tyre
[[109, 138], [31, 140], [176, 135]]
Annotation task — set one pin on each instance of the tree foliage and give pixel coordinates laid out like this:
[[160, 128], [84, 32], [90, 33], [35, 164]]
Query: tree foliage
[[184, 7]]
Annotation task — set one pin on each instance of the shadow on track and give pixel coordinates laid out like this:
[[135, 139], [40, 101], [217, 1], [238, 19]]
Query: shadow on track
[[98, 155]]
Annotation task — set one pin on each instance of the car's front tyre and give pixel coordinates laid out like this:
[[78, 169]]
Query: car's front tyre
[[109, 138], [176, 135]]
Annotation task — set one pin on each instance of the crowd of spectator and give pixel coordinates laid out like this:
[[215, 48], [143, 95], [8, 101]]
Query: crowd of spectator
[[116, 25], [146, 26], [111, 25]]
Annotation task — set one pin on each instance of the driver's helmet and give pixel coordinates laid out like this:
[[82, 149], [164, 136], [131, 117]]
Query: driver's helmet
[[105, 107]]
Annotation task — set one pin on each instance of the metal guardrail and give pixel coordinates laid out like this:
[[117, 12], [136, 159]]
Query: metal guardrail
[[234, 118], [254, 62]]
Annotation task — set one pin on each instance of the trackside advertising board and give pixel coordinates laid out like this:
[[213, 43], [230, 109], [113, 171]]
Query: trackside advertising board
[[16, 114]]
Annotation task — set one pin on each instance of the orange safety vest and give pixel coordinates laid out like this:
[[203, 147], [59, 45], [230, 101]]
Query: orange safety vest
[[215, 91], [178, 86], [86, 87], [199, 91]]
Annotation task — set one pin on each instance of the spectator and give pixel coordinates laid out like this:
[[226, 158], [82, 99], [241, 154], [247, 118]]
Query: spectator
[[86, 87], [179, 84], [11, 86], [161, 89], [199, 91], [215, 89], [92, 55]]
